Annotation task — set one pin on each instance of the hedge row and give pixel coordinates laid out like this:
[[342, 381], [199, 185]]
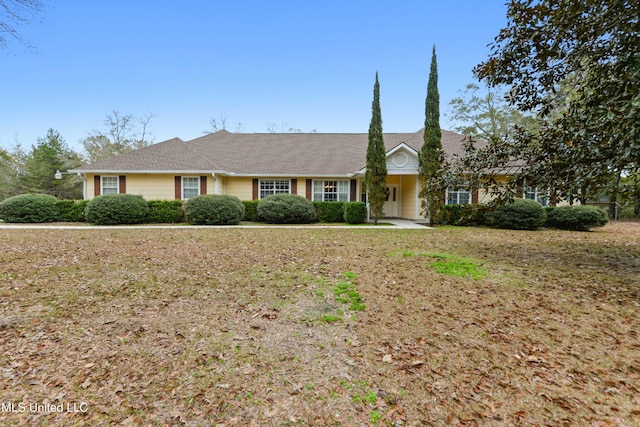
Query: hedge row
[[524, 214], [113, 209]]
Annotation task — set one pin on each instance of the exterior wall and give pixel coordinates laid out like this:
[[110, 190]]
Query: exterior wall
[[408, 198], [149, 186], [152, 186], [241, 187]]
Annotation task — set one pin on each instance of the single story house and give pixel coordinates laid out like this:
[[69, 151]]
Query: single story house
[[318, 166]]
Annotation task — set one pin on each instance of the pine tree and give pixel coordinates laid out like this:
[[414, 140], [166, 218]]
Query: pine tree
[[375, 178], [431, 155]]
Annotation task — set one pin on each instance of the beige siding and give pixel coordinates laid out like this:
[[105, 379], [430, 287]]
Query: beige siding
[[89, 186], [240, 187], [408, 202], [149, 186], [152, 186]]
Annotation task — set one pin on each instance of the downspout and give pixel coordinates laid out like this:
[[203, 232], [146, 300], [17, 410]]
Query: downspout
[[84, 185]]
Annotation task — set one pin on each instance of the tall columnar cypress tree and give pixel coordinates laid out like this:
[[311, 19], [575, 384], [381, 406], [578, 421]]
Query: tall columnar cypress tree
[[431, 154], [375, 178]]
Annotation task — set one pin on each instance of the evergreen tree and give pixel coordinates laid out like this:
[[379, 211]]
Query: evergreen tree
[[431, 155], [375, 178], [48, 156]]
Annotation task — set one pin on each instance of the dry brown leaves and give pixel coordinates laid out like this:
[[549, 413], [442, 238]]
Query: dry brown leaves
[[224, 327]]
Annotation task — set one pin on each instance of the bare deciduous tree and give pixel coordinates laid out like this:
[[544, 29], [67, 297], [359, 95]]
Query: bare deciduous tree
[[14, 13]]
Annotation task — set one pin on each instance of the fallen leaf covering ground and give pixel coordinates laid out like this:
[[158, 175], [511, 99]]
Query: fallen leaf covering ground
[[262, 327]]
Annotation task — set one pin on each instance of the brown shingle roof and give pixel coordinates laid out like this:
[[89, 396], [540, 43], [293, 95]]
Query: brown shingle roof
[[265, 153], [171, 155]]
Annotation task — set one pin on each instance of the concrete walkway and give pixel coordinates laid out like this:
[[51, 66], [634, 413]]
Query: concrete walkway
[[395, 224]]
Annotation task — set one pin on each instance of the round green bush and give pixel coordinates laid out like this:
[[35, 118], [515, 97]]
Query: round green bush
[[521, 214], [210, 209], [112, 209], [30, 208], [355, 212], [578, 218], [286, 209]]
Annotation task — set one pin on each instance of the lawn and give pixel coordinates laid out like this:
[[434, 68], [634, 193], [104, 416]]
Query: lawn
[[453, 326]]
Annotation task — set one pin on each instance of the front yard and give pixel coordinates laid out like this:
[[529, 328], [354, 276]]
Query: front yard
[[457, 326]]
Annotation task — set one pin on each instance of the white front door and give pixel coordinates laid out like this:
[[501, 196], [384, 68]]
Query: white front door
[[391, 204]]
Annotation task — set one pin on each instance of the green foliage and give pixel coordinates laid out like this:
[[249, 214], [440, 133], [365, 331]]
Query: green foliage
[[355, 212], [30, 208], [329, 211], [485, 114], [431, 155], [375, 179], [576, 65], [72, 210], [521, 214], [165, 211], [9, 174], [112, 209], [212, 209], [250, 213], [286, 209], [463, 214], [579, 218], [49, 155]]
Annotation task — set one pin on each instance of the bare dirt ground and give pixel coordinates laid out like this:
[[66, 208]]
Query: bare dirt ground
[[460, 326]]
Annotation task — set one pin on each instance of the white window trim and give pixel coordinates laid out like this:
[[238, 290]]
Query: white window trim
[[102, 177], [458, 190], [260, 181], [324, 183], [537, 195], [182, 185]]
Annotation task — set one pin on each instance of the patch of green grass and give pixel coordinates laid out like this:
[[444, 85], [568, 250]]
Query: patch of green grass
[[346, 293], [374, 417], [455, 266], [371, 398], [328, 318]]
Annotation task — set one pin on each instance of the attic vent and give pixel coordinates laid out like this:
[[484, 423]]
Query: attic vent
[[400, 160]]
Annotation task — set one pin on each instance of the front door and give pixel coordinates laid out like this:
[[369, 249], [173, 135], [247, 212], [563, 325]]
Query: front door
[[391, 203]]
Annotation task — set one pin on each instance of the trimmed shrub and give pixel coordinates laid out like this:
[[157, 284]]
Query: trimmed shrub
[[355, 212], [464, 215], [72, 210], [250, 213], [521, 214], [329, 211], [112, 209], [286, 209], [578, 218], [30, 208], [164, 211], [210, 209]]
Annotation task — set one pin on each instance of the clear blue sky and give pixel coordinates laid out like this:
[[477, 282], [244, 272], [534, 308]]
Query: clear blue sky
[[303, 64]]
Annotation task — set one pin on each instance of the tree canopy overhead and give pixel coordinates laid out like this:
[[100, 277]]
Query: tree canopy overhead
[[14, 13], [574, 63]]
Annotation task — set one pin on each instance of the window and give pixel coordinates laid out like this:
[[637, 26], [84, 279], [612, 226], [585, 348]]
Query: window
[[458, 195], [331, 191], [109, 185], [190, 187], [534, 193], [269, 187]]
